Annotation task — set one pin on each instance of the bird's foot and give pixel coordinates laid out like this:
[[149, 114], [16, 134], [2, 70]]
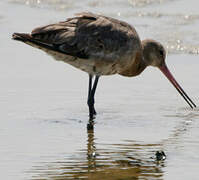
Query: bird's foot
[[92, 112], [90, 125]]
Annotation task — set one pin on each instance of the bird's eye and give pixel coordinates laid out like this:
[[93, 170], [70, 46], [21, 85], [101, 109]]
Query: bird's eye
[[161, 53]]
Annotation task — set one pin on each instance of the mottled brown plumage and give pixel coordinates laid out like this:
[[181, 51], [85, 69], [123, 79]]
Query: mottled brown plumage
[[99, 45], [93, 43]]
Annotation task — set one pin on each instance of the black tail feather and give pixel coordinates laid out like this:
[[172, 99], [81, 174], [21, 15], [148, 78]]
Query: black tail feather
[[29, 39], [21, 37]]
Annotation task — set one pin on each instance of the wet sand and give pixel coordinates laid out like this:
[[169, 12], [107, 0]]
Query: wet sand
[[43, 102]]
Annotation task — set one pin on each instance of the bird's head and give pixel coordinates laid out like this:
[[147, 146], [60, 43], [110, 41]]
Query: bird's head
[[154, 54]]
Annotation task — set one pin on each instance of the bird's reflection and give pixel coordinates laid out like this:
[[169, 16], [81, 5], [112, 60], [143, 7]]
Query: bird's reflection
[[91, 150], [128, 160]]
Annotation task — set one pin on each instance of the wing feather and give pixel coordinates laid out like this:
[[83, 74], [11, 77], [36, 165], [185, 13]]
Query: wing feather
[[88, 35]]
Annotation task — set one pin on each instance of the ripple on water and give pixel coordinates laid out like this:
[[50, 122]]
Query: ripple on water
[[186, 114], [143, 3], [46, 4], [128, 160], [64, 4], [183, 40]]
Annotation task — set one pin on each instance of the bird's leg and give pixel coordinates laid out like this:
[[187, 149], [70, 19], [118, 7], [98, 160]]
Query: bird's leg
[[91, 94], [90, 123], [92, 98], [89, 89]]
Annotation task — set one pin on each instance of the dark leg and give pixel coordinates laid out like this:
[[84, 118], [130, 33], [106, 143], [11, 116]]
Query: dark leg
[[91, 99], [90, 85], [89, 92], [91, 122]]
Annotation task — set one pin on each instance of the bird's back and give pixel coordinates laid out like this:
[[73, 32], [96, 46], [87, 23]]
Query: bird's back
[[93, 43]]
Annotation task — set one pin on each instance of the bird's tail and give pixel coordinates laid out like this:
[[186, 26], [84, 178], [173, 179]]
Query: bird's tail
[[48, 48], [21, 37], [30, 40]]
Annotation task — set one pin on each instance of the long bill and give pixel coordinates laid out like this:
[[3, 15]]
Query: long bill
[[170, 77]]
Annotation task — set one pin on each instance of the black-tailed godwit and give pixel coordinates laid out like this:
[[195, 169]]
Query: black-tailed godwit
[[100, 45]]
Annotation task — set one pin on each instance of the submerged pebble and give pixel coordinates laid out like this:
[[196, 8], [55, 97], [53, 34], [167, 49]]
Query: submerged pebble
[[160, 155]]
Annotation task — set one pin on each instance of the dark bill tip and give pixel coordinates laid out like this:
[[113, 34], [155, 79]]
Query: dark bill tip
[[170, 77]]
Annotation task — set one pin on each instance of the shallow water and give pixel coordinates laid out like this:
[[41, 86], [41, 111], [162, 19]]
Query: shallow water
[[44, 113]]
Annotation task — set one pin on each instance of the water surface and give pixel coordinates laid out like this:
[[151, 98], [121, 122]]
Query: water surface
[[43, 102]]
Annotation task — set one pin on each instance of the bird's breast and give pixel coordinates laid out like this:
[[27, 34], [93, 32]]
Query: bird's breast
[[135, 67]]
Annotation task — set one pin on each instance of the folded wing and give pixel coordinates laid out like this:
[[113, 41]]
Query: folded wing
[[85, 36]]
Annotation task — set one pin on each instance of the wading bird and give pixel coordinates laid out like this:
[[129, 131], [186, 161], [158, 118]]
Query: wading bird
[[100, 45]]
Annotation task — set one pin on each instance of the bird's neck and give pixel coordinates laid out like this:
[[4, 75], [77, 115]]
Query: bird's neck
[[136, 68]]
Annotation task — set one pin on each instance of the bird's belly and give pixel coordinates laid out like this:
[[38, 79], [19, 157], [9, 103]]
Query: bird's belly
[[91, 66], [95, 67]]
